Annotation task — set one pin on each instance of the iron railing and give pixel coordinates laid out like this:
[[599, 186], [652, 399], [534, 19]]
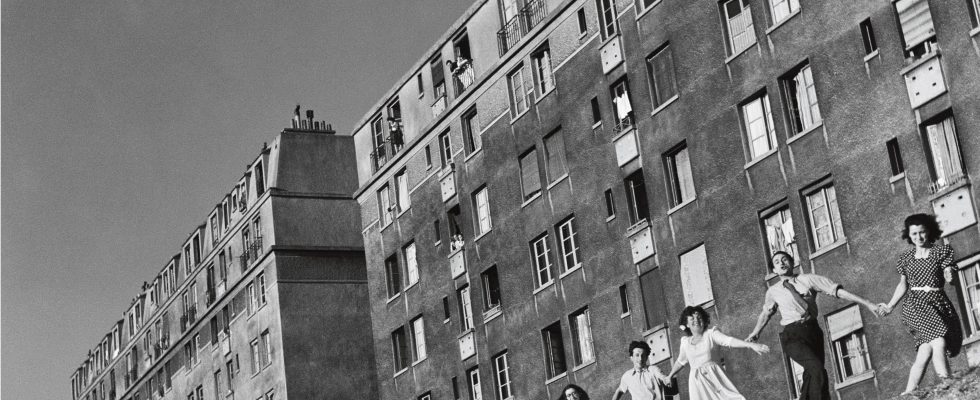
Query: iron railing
[[518, 26]]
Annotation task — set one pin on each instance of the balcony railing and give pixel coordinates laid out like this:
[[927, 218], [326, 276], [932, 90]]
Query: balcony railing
[[624, 123], [391, 145], [947, 181], [463, 75], [251, 252], [518, 26]]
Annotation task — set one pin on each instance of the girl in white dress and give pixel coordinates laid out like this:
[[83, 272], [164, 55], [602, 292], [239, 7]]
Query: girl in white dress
[[700, 348]]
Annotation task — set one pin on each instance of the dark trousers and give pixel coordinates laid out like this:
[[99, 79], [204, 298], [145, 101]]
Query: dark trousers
[[803, 343]]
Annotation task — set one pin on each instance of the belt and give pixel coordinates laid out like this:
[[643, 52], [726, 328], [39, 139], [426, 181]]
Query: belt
[[801, 321], [925, 288]]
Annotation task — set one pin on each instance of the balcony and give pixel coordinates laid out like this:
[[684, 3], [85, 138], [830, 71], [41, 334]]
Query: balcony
[[625, 123], [641, 241], [463, 75], [924, 80], [518, 26], [439, 106], [447, 183], [467, 345], [457, 262], [379, 157], [252, 252], [392, 144]]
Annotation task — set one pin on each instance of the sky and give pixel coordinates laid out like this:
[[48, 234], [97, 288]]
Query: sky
[[125, 121]]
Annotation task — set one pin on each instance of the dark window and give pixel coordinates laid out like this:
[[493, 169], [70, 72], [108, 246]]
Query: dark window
[[455, 232], [918, 32], [677, 170], [471, 132], [660, 66], [530, 180], [393, 276], [622, 105], [636, 197], [895, 157], [554, 350], [491, 289], [455, 382], [418, 81], [624, 299], [554, 152], [651, 287], [445, 308], [610, 204], [582, 27], [428, 157], [800, 96], [438, 78], [436, 231], [868, 35], [596, 113], [607, 17], [400, 349], [445, 149]]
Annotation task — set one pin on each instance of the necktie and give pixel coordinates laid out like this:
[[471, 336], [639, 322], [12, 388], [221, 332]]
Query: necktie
[[810, 312]]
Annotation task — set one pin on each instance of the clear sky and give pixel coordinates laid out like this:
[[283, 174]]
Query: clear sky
[[125, 121]]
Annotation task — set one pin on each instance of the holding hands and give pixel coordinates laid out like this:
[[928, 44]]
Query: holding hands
[[759, 348], [883, 309]]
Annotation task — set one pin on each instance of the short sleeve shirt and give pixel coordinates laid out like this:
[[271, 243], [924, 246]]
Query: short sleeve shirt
[[779, 297], [642, 384]]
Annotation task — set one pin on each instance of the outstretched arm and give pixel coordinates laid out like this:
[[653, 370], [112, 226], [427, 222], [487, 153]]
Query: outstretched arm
[[900, 291], [729, 341], [844, 294], [760, 323], [678, 365]]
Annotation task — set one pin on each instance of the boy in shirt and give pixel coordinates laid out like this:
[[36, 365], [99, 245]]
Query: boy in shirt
[[643, 382]]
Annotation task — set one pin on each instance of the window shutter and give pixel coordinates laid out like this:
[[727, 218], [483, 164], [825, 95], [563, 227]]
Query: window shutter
[[844, 322], [529, 173], [651, 287], [916, 21], [695, 277]]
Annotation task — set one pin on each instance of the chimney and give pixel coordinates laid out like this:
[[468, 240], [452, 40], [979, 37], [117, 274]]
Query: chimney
[[308, 124]]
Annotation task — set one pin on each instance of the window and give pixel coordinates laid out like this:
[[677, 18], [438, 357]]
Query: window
[[554, 152], [621, 103], [445, 308], [777, 226], [418, 339], [401, 191], [677, 170], [393, 276], [581, 337], [419, 86], [465, 308], [596, 112], [411, 264], [974, 12], [868, 36], [554, 350], [895, 157], [825, 221], [583, 28], [250, 291], [378, 134], [190, 353], [438, 78], [849, 345], [695, 277], [568, 242], [502, 370], [607, 18], [660, 67], [943, 152], [428, 157], [636, 197], [188, 262], [260, 285], [491, 289], [782, 9], [541, 259], [455, 384], [519, 92], [610, 204], [543, 75], [624, 300], [385, 207], [399, 349], [436, 232], [530, 180], [741, 33], [471, 132], [918, 32], [474, 379], [445, 150], [214, 229], [800, 95], [462, 66], [759, 126], [481, 204], [259, 179], [970, 285]]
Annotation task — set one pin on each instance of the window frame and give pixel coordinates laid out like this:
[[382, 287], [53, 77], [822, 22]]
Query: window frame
[[553, 342], [661, 79], [555, 160], [800, 117], [483, 222], [736, 47], [828, 192], [765, 117], [783, 211], [520, 93], [419, 350], [526, 173], [583, 348], [490, 282], [969, 288], [679, 190], [841, 348], [400, 351], [410, 253], [606, 9], [464, 300], [472, 140], [541, 261], [403, 199], [793, 7], [544, 74], [502, 374], [385, 212], [393, 276], [868, 36], [568, 244]]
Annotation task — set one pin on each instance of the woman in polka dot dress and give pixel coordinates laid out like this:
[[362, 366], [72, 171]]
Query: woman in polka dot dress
[[927, 312]]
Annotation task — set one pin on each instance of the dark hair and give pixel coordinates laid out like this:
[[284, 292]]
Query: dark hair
[[581, 392], [928, 221], [636, 344], [792, 261], [689, 311]]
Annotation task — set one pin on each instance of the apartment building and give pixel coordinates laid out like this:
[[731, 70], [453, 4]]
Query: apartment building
[[555, 178], [266, 299]]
